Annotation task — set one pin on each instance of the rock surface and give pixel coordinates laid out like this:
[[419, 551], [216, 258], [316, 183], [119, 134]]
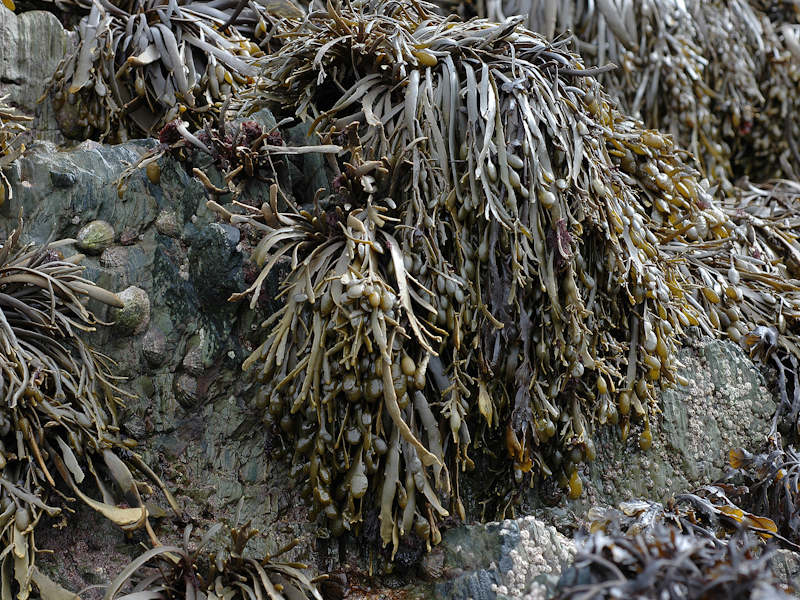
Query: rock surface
[[519, 558], [195, 416], [726, 405], [24, 74]]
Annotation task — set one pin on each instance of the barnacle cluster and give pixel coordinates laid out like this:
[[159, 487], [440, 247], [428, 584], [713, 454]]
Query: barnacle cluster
[[506, 257], [192, 571], [11, 126], [58, 414], [719, 75], [140, 64]]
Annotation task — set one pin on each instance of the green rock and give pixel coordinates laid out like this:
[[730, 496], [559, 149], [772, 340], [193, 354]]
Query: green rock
[[95, 237]]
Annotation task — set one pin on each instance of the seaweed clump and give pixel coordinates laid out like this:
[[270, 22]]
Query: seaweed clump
[[140, 65], [668, 564], [192, 571], [768, 483], [721, 76], [58, 414], [242, 152], [700, 545], [503, 259]]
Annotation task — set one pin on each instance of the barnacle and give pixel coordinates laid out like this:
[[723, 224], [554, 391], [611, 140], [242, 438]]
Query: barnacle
[[139, 65], [58, 415], [196, 572]]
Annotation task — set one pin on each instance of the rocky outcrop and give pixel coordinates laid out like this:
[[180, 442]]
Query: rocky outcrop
[[181, 345]]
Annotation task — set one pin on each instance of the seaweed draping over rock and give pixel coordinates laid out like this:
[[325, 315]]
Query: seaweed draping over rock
[[140, 64], [195, 572], [58, 414], [502, 261], [718, 75], [11, 127]]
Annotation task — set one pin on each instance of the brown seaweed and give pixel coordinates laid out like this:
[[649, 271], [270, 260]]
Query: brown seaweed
[[59, 409], [193, 571]]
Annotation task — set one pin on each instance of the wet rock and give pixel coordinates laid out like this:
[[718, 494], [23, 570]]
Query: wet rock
[[167, 224], [215, 264], [134, 317], [785, 565], [725, 405], [95, 237], [199, 433]]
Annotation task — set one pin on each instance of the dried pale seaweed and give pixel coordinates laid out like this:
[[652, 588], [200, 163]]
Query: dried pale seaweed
[[139, 65], [718, 75], [11, 127], [700, 545], [709, 511], [666, 563], [58, 415], [191, 571]]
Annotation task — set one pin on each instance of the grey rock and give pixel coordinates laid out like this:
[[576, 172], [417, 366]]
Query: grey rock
[[24, 75], [134, 317], [199, 432], [215, 264], [785, 564]]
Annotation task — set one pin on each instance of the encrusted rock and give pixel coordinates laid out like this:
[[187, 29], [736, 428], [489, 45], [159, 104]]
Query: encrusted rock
[[167, 224], [520, 558], [154, 346], [114, 257], [33, 44], [94, 237], [726, 405], [215, 264], [134, 317]]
